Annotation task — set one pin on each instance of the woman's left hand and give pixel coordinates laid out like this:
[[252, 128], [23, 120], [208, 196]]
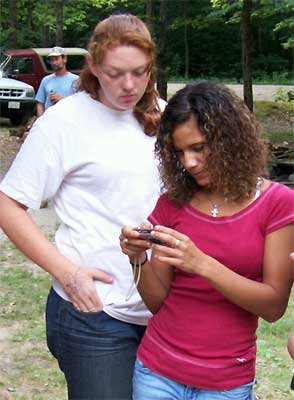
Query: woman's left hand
[[178, 250]]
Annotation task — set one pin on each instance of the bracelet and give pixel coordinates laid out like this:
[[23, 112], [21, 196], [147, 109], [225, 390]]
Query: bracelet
[[137, 264]]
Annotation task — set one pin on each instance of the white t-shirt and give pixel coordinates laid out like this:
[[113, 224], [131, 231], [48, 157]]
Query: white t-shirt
[[98, 166]]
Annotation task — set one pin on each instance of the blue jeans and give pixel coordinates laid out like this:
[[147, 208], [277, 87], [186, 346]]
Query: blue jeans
[[148, 385], [95, 351]]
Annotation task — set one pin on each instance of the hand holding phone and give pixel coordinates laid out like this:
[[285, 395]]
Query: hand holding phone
[[145, 233]]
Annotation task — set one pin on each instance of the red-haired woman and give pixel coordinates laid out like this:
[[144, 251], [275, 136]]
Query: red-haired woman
[[93, 154]]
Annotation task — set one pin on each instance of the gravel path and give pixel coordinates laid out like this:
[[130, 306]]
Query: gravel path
[[260, 92]]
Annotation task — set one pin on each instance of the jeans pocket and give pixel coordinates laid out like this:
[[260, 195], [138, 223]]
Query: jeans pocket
[[70, 306], [70, 317], [243, 392], [140, 367]]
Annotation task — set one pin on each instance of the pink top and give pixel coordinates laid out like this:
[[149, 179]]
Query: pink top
[[198, 337]]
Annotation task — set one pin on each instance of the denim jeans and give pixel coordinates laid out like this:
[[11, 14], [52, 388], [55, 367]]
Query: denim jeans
[[95, 351], [148, 385]]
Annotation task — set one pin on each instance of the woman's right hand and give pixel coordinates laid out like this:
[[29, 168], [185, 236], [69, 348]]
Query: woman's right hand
[[77, 282], [80, 288], [132, 244]]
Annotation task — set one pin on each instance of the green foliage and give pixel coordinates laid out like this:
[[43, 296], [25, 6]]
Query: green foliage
[[275, 77], [213, 32], [280, 15], [270, 19], [267, 108], [284, 95], [276, 119], [76, 15]]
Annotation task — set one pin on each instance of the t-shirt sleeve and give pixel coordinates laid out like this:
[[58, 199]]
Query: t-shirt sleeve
[[161, 215], [41, 93], [162, 104], [72, 88], [74, 84], [279, 209], [37, 171]]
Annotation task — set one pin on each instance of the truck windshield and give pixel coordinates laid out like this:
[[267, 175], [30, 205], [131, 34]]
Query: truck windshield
[[75, 62]]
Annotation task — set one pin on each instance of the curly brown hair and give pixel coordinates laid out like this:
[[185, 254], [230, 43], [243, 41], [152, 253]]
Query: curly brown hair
[[237, 152], [121, 30]]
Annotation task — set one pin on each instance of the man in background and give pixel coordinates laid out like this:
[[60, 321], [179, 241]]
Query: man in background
[[56, 86]]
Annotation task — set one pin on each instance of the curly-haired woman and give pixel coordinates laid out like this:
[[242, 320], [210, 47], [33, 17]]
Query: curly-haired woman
[[226, 234]]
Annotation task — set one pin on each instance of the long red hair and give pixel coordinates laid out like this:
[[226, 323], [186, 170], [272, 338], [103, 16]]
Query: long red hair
[[124, 30]]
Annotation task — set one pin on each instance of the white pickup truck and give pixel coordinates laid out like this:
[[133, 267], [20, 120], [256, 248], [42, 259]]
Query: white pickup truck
[[17, 100]]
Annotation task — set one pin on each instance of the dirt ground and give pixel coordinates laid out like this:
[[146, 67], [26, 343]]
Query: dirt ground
[[260, 92], [9, 146]]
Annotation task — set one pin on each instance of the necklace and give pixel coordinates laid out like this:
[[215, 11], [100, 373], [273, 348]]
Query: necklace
[[215, 208], [214, 211]]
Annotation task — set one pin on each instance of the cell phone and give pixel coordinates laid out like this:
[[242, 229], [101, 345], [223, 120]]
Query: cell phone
[[145, 233]]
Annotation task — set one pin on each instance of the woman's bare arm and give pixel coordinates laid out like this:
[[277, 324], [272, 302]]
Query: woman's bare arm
[[267, 299], [25, 234]]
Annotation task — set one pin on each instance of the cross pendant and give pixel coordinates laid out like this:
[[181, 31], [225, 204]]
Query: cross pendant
[[214, 211]]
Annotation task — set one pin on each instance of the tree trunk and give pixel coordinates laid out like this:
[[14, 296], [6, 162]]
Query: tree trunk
[[12, 38], [45, 36], [30, 16], [293, 62], [161, 55], [246, 53], [149, 14], [59, 22], [260, 47], [186, 41]]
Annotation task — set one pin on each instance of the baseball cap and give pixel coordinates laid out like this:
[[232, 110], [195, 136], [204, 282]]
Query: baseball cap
[[56, 51]]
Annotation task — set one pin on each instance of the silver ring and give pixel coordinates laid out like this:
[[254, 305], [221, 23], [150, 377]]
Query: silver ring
[[178, 242], [126, 240]]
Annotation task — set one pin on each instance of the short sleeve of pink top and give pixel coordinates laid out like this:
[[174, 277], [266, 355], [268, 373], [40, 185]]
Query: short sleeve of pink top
[[198, 337]]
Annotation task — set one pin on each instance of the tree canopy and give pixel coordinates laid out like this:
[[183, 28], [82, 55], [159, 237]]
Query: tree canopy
[[203, 37]]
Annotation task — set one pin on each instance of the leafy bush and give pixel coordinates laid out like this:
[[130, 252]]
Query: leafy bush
[[284, 95], [275, 77]]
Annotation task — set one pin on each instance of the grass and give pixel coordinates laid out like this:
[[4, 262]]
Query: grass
[[265, 109], [279, 136], [274, 366], [277, 119], [28, 371]]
